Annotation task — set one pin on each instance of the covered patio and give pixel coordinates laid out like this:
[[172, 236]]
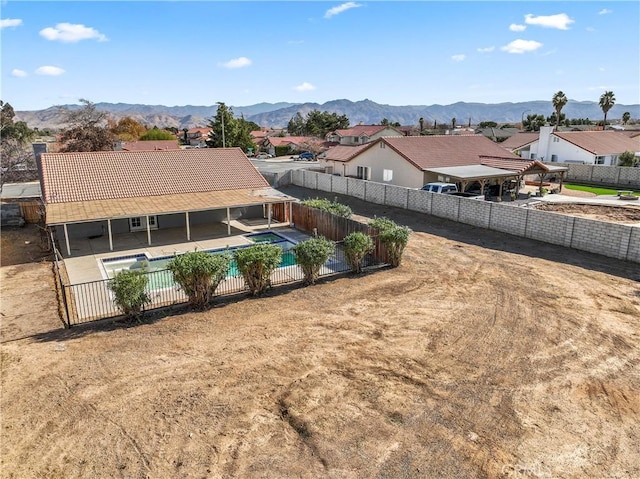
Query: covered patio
[[497, 171]]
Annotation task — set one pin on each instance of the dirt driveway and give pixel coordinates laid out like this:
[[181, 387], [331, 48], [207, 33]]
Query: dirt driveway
[[482, 355]]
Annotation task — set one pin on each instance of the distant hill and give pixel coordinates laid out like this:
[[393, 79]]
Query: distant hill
[[277, 115]]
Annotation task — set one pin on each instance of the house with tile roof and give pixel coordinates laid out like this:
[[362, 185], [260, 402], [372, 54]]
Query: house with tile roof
[[408, 160], [361, 134], [120, 192], [197, 137], [296, 144], [584, 147]]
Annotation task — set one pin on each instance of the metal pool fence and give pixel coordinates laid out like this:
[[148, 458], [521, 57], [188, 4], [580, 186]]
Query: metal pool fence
[[91, 301]]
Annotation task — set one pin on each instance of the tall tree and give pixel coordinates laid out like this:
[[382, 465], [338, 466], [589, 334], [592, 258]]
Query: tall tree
[[228, 131], [297, 125], [16, 154], [626, 116], [533, 122], [559, 100], [87, 130], [607, 100], [127, 129]]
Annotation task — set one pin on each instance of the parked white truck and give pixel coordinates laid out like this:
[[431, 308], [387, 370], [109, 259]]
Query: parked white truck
[[450, 189]]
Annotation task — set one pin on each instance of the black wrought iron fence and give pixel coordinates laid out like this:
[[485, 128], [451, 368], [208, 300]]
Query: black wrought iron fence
[[91, 301]]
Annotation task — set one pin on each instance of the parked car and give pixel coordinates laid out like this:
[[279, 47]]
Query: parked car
[[263, 156], [306, 156]]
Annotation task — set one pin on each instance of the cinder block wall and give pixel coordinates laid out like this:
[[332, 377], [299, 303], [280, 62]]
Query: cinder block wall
[[607, 239], [614, 176]]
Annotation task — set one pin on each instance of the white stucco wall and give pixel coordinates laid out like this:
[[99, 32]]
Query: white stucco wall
[[380, 159]]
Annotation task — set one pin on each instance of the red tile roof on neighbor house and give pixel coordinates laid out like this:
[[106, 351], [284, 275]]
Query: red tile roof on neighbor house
[[344, 152], [519, 140], [294, 140], [518, 165], [435, 151], [359, 130], [150, 145], [86, 176], [601, 142]]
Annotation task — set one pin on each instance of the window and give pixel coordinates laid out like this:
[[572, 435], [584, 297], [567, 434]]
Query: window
[[533, 156], [554, 158], [139, 223], [599, 160], [387, 175], [355, 139], [364, 172]]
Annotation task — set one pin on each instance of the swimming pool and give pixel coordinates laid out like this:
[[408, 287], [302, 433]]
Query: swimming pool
[[160, 277]]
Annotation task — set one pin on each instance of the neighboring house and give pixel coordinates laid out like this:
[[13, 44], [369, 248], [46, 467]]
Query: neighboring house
[[197, 137], [118, 192], [499, 135], [585, 147], [296, 144], [361, 134], [520, 142], [406, 160], [148, 145]]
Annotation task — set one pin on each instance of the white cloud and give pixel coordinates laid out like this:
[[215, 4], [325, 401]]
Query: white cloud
[[18, 73], [486, 49], [70, 33], [239, 62], [605, 11], [515, 27], [521, 46], [561, 21], [10, 22], [458, 58], [49, 70], [341, 8], [305, 86]]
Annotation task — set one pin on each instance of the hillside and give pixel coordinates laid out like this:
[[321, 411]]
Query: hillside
[[277, 115]]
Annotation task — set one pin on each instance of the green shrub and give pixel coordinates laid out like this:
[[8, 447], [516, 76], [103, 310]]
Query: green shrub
[[311, 255], [256, 263], [356, 246], [130, 294], [393, 237], [198, 274], [333, 207]]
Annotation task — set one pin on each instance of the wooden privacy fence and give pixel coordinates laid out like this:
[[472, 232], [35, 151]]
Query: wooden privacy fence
[[335, 228]]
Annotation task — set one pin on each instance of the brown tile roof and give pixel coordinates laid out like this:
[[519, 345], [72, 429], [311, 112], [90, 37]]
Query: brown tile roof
[[59, 213], [150, 145], [293, 140], [445, 150], [103, 175], [519, 140], [367, 130], [343, 152], [517, 165], [600, 142], [202, 131]]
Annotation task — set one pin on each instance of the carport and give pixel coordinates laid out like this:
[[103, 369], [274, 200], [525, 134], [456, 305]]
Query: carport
[[471, 174]]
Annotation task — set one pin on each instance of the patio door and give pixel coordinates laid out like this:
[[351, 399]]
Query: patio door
[[139, 223]]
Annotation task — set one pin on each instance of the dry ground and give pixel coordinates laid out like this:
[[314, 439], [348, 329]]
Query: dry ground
[[614, 214], [482, 355]]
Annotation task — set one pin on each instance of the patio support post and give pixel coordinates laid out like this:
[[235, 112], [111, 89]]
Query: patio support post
[[228, 222], [291, 211], [110, 235], [561, 180], [66, 238], [269, 216], [186, 216], [148, 230]]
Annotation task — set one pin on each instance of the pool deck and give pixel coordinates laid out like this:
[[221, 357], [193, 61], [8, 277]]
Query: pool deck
[[85, 263]]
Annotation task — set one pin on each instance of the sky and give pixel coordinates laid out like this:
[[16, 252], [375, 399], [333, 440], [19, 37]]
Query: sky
[[391, 52]]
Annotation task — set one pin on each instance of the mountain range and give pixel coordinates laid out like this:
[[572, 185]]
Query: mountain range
[[277, 115]]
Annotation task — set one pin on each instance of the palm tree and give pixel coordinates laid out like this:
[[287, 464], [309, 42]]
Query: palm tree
[[607, 100], [626, 116], [559, 100]]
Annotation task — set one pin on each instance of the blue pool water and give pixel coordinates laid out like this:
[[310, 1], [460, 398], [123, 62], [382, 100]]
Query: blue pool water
[[163, 278]]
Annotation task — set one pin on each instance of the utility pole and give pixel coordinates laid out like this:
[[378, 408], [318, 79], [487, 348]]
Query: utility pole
[[224, 144]]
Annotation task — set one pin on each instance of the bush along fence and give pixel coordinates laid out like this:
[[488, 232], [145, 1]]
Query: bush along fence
[[95, 300], [600, 237]]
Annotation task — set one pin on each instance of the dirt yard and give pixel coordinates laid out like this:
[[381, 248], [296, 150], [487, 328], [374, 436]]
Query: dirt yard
[[481, 356], [614, 214]]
